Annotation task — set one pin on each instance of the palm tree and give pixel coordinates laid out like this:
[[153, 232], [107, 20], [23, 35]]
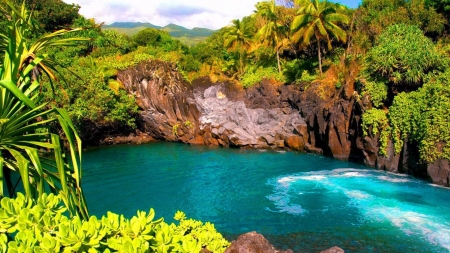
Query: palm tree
[[272, 33], [239, 37], [319, 20], [30, 143]]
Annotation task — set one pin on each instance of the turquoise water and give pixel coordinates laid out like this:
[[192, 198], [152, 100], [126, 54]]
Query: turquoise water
[[298, 201]]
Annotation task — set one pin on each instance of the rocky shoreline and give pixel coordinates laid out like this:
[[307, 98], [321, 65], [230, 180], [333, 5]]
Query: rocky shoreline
[[310, 117]]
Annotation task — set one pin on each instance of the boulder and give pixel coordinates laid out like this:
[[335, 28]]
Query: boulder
[[168, 109], [252, 242], [439, 171], [334, 249]]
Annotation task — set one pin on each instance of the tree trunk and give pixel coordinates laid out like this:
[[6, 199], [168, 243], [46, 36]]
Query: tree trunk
[[320, 56], [278, 60]]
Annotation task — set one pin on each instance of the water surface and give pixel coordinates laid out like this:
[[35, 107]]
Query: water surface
[[299, 201]]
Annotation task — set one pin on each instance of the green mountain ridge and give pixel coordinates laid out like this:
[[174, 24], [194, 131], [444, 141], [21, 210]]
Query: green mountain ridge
[[188, 36]]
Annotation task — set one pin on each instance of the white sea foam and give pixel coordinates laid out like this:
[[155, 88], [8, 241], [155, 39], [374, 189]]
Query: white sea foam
[[343, 170], [439, 186], [393, 179], [357, 194], [432, 230], [353, 174], [313, 177]]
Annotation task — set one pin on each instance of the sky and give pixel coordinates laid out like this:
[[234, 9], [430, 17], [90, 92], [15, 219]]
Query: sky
[[212, 14]]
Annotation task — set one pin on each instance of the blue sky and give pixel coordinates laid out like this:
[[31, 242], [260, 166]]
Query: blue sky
[[349, 3], [213, 14]]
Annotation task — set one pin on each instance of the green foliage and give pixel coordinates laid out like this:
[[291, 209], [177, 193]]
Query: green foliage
[[41, 226], [54, 14], [374, 16], [298, 70], [404, 56], [423, 116], [238, 38], [29, 143], [148, 36], [94, 95], [377, 91], [319, 20], [255, 75]]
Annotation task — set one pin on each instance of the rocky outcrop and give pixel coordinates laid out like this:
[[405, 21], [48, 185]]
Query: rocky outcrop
[[314, 118], [168, 109], [439, 172], [230, 122], [252, 242]]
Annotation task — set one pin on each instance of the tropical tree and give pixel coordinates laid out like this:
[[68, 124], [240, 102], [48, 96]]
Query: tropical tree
[[30, 142], [273, 32], [319, 20], [404, 56], [239, 37]]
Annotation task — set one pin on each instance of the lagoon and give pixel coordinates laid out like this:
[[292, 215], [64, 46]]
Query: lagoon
[[299, 201]]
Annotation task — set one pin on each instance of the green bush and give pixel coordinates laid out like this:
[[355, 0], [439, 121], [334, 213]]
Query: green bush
[[404, 56], [299, 70], [374, 122], [94, 95], [254, 75], [41, 226], [377, 91], [421, 116]]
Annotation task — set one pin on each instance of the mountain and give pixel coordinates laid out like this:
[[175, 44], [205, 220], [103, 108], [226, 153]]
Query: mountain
[[188, 36]]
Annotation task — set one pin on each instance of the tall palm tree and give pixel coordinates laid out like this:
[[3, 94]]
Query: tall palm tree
[[272, 33], [29, 142], [239, 37], [319, 20]]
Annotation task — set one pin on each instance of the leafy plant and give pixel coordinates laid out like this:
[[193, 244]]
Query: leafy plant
[[374, 122], [377, 90], [404, 56], [41, 226], [254, 75], [29, 143], [320, 20]]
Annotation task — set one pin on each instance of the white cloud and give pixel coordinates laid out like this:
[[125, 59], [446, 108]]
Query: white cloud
[[212, 14]]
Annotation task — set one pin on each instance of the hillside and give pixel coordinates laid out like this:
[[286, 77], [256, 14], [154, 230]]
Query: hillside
[[187, 36]]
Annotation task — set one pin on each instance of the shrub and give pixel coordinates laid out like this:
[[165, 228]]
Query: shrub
[[256, 74], [404, 56], [375, 121], [377, 91], [41, 226]]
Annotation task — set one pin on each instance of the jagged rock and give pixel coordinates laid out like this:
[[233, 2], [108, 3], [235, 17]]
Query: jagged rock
[[266, 115], [391, 161], [334, 249], [439, 171], [168, 109], [243, 125], [252, 242]]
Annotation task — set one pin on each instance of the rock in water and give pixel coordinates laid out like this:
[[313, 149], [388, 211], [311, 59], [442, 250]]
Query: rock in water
[[252, 242], [334, 249]]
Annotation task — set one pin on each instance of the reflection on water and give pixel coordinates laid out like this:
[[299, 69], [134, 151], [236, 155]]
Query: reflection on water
[[298, 201]]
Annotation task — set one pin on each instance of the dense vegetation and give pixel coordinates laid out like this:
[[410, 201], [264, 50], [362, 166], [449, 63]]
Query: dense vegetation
[[400, 46], [42, 226], [58, 83]]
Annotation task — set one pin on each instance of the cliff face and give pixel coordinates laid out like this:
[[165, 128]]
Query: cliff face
[[264, 116]]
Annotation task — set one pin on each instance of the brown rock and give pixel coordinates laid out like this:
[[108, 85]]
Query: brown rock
[[391, 161], [334, 249], [439, 171], [252, 242], [295, 142]]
